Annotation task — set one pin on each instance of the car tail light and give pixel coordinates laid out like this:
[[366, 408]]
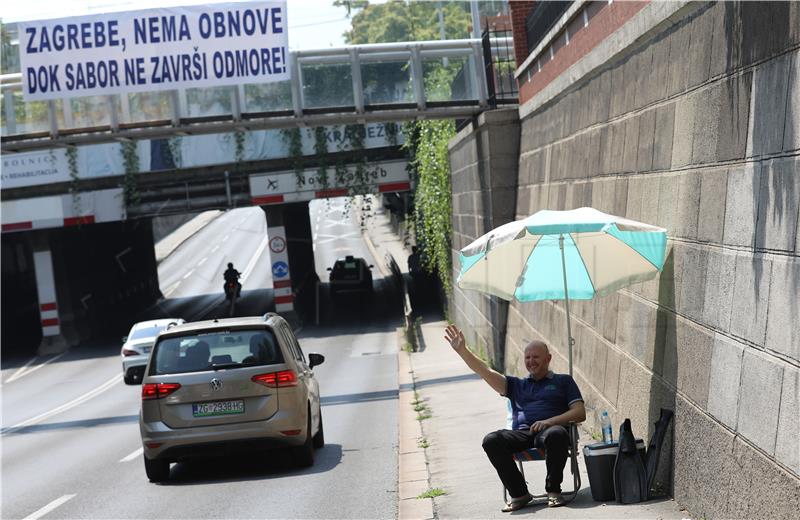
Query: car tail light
[[276, 379], [126, 352], [291, 432], [158, 390]]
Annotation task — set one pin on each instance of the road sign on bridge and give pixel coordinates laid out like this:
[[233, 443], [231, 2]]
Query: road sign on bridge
[[290, 186]]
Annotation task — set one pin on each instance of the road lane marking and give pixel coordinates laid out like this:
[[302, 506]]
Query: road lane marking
[[251, 265], [49, 507], [187, 275], [201, 262], [225, 238], [172, 289], [64, 407], [215, 248], [132, 456], [24, 371]]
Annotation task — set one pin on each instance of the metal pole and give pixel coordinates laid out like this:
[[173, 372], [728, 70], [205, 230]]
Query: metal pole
[[442, 35], [570, 341], [476, 19]]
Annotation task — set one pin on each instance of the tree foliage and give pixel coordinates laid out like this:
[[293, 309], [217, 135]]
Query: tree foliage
[[403, 21]]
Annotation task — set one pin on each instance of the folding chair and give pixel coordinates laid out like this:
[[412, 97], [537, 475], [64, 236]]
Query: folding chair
[[532, 454]]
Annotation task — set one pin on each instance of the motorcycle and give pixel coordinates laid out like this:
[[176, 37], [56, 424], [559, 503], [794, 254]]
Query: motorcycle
[[233, 290]]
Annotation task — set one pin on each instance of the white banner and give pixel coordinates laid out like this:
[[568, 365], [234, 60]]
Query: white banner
[[374, 175], [154, 49]]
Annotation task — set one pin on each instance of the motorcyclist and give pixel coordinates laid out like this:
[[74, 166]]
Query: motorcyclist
[[232, 275]]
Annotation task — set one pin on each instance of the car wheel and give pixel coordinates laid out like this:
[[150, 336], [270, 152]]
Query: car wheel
[[304, 455], [319, 437], [157, 470]]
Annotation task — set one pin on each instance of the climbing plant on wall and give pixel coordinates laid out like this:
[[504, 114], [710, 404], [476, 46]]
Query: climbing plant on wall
[[130, 162], [294, 143], [321, 150], [72, 165], [238, 139]]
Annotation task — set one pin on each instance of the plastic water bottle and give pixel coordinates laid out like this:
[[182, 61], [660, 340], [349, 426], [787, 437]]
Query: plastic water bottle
[[605, 423]]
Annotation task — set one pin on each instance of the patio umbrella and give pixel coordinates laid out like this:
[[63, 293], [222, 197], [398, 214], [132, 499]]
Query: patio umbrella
[[563, 255]]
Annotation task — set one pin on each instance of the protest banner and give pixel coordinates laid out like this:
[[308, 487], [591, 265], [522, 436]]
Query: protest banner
[[154, 49]]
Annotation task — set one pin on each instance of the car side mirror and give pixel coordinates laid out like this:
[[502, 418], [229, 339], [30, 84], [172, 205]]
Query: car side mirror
[[315, 359], [124, 339]]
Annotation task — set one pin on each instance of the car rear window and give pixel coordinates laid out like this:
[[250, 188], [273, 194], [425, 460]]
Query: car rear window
[[145, 332], [215, 349]]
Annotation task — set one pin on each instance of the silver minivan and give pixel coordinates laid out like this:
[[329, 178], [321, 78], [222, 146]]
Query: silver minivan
[[229, 386]]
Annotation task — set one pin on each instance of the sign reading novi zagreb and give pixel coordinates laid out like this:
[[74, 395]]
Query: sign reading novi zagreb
[[154, 49]]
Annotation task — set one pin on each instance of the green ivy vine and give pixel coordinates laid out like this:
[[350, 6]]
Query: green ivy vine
[[391, 130], [174, 144], [130, 161], [294, 143], [238, 138], [426, 142], [321, 150], [72, 165]]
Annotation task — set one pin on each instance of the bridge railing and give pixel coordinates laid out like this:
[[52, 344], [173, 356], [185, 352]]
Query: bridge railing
[[352, 84]]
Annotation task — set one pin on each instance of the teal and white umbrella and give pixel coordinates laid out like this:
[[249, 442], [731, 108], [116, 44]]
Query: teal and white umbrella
[[563, 255]]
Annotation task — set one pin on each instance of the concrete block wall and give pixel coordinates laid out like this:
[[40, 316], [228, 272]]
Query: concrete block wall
[[694, 127], [483, 168]]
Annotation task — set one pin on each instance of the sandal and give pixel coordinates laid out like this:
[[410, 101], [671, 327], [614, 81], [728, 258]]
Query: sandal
[[555, 500], [517, 503]]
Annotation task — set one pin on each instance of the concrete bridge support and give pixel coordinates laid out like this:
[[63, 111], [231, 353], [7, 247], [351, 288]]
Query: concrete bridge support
[[291, 247], [89, 281]]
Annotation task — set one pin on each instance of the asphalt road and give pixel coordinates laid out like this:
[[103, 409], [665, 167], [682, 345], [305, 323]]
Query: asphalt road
[[70, 440]]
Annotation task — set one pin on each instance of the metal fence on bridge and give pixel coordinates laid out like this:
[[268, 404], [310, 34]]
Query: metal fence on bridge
[[344, 85]]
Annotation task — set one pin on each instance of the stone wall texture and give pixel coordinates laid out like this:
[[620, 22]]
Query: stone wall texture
[[695, 128]]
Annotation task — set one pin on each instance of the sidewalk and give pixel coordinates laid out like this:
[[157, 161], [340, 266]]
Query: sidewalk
[[462, 410]]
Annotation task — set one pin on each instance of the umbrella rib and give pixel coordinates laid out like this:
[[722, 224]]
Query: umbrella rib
[[586, 269]]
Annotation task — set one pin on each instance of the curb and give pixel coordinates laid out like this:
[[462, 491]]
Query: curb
[[413, 474], [190, 229]]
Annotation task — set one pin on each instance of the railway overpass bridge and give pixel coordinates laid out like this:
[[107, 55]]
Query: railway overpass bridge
[[82, 177]]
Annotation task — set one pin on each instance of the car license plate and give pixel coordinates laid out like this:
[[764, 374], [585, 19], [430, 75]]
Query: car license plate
[[217, 408]]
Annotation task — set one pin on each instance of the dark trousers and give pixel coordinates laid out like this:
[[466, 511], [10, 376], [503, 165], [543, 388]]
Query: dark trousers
[[500, 445]]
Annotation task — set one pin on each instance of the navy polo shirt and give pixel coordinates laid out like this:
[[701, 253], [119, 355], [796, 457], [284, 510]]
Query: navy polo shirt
[[533, 400]]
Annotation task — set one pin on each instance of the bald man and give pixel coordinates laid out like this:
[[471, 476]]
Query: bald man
[[542, 405]]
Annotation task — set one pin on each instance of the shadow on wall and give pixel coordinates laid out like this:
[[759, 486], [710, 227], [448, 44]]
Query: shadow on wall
[[663, 390]]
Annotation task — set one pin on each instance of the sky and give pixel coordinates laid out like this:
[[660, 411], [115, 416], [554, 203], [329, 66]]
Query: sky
[[313, 24]]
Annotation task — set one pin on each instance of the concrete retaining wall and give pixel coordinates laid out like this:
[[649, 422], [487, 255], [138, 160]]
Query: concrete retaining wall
[[694, 127]]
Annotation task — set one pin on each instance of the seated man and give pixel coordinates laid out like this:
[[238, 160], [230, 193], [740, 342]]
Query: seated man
[[543, 404]]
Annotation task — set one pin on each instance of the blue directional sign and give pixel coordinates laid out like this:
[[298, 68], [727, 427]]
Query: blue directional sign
[[280, 269]]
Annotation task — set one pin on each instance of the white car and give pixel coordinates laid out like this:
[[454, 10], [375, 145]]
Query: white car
[[136, 347]]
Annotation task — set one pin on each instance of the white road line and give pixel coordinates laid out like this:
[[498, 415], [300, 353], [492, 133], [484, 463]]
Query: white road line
[[172, 289], [225, 238], [215, 248], [49, 507], [254, 259], [201, 262], [187, 275], [24, 371], [64, 407], [132, 456]]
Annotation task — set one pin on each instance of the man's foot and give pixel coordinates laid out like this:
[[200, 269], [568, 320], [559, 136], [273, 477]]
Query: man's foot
[[517, 503], [555, 500]]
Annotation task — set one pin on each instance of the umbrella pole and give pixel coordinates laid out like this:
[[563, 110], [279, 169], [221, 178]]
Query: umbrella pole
[[570, 341]]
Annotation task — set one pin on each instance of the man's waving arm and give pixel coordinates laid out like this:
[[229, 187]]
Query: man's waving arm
[[455, 337]]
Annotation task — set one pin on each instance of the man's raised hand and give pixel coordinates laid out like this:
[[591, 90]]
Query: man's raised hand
[[455, 337]]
